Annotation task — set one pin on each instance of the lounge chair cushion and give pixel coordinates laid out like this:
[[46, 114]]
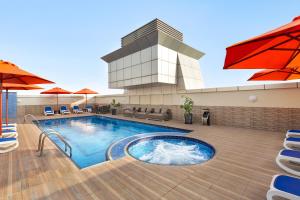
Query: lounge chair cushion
[[288, 184], [7, 139], [293, 139], [8, 130], [294, 131], [290, 153]]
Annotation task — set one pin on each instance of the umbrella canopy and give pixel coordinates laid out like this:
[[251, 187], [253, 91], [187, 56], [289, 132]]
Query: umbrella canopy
[[56, 91], [85, 91], [13, 86], [276, 75], [10, 73], [276, 49]]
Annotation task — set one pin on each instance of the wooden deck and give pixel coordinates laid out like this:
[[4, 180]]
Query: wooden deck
[[241, 169]]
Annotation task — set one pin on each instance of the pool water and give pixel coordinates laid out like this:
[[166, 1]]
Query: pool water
[[91, 136], [171, 150]]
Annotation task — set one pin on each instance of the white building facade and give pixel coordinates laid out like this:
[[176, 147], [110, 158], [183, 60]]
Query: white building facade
[[154, 56]]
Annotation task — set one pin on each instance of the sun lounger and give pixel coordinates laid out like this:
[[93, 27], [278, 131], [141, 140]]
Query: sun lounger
[[289, 161], [292, 143], [287, 187], [162, 115], [48, 111], [89, 108], [7, 133], [11, 125], [8, 144], [129, 112], [64, 110], [293, 133], [77, 110], [9, 128], [141, 114]]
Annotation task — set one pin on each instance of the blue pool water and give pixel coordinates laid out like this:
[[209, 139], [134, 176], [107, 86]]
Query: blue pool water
[[171, 150], [91, 136]]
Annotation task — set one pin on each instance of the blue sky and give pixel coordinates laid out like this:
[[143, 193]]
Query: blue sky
[[64, 40]]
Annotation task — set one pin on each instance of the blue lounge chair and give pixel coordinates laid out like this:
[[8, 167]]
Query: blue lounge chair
[[48, 111], [89, 108], [284, 186], [292, 143], [8, 144], [77, 110], [289, 161], [9, 133], [292, 133], [64, 110]]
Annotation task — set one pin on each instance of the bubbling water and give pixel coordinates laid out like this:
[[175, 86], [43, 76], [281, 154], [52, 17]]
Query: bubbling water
[[170, 152]]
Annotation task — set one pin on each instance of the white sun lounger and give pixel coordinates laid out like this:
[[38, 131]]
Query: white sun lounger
[[291, 156], [292, 143], [293, 133], [8, 144], [284, 186]]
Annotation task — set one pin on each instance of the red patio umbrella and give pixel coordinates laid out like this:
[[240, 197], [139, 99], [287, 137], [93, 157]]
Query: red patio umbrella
[[276, 75], [85, 91], [11, 73], [276, 49], [56, 91], [13, 86]]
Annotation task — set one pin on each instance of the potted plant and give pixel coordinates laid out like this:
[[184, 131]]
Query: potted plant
[[188, 107], [114, 106]]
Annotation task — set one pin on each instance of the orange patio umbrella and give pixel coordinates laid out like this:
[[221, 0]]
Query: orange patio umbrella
[[11, 73], [56, 91], [276, 49], [13, 86], [85, 91], [276, 75]]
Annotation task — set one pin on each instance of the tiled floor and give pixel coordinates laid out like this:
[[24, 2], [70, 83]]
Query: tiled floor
[[241, 169]]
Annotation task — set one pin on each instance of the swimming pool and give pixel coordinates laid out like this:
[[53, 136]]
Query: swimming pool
[[91, 136]]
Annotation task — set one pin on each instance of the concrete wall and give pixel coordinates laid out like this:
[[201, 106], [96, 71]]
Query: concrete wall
[[273, 107], [34, 104]]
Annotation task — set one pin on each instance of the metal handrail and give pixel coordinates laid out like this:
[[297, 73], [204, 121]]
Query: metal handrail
[[49, 132], [45, 133], [33, 119]]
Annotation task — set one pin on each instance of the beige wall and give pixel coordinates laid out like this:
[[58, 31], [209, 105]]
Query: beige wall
[[277, 106], [276, 95]]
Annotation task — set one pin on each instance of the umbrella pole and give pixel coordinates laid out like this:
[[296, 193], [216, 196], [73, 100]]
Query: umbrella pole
[[6, 103], [57, 103], [1, 107], [85, 100]]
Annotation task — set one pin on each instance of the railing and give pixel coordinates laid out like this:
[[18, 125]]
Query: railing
[[33, 118], [45, 134]]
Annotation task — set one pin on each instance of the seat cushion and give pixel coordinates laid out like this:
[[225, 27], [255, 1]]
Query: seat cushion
[[293, 139], [294, 131], [290, 153], [7, 139], [288, 184], [8, 130]]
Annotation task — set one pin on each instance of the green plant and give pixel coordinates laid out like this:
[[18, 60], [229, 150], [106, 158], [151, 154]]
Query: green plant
[[114, 104], [187, 105]]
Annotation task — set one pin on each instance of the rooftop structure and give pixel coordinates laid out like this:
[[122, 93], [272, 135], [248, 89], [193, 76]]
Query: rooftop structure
[[154, 54]]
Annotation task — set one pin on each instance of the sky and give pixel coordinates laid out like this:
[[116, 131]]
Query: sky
[[64, 40]]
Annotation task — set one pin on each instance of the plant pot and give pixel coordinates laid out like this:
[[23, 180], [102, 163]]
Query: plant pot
[[188, 118], [114, 111]]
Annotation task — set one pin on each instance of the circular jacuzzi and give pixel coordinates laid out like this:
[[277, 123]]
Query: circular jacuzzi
[[170, 150]]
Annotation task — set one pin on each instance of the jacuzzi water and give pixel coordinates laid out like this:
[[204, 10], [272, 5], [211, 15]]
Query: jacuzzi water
[[171, 150], [91, 136]]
